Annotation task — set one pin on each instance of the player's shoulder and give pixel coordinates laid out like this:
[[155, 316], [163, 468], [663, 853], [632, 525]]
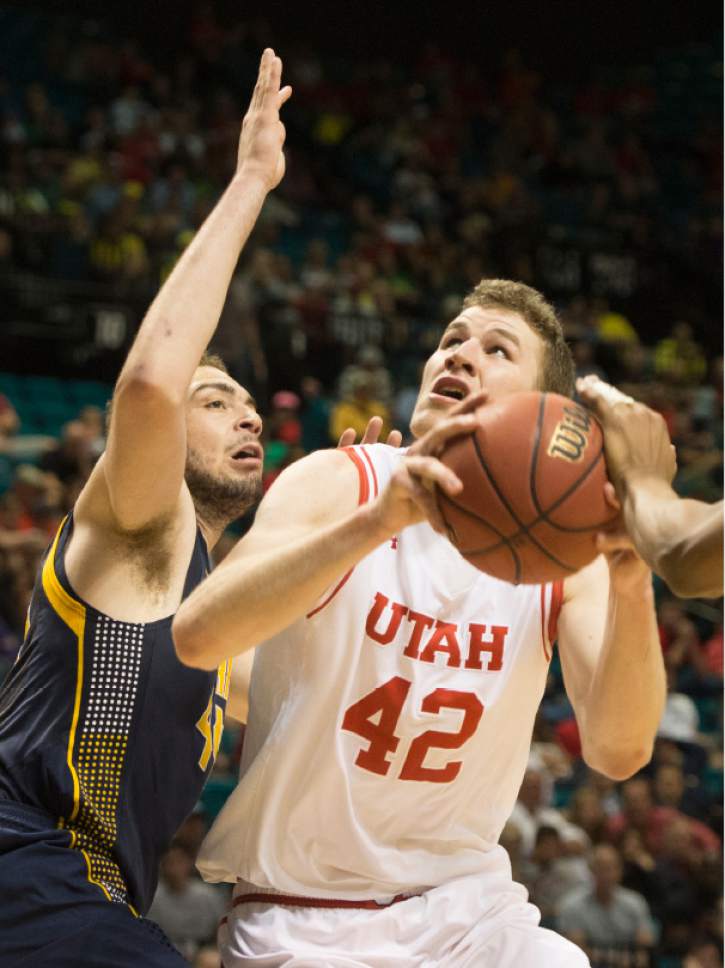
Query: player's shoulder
[[375, 463]]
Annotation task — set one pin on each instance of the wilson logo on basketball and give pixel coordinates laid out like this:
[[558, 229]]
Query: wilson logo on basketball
[[569, 440]]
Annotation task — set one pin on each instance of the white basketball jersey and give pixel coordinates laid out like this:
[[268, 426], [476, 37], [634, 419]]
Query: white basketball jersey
[[390, 728]]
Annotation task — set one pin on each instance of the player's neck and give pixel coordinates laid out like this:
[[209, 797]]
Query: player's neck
[[211, 529]]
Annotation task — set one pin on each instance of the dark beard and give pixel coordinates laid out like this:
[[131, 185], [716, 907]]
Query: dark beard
[[219, 501]]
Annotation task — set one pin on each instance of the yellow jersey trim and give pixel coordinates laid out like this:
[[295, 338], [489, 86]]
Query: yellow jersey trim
[[91, 878], [73, 613]]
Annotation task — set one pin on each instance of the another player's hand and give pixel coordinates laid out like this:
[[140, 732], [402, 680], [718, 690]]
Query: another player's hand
[[636, 442], [371, 435], [410, 498], [260, 144]]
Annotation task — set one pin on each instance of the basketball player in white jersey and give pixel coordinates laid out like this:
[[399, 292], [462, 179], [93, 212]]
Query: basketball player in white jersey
[[395, 688]]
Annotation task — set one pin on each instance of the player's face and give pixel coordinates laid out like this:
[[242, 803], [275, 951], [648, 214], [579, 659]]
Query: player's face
[[224, 455], [493, 349]]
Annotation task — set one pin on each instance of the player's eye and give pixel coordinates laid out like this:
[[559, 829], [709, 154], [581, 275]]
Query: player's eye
[[216, 405], [451, 341], [499, 350]]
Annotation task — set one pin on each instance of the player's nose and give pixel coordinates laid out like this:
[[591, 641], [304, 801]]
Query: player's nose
[[465, 356], [250, 421]]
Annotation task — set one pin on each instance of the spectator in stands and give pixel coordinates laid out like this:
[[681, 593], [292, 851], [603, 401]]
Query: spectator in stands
[[356, 407], [638, 863], [640, 812], [679, 358], [315, 415], [587, 812], [677, 897], [283, 423], [672, 789], [606, 916], [533, 808], [550, 875], [369, 362], [74, 456], [186, 908]]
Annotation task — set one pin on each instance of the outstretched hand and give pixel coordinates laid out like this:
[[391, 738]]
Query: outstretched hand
[[371, 435], [262, 139]]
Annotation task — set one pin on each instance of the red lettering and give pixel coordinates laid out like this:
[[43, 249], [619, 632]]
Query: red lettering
[[470, 704], [420, 622], [494, 646], [387, 701], [384, 638], [443, 639]]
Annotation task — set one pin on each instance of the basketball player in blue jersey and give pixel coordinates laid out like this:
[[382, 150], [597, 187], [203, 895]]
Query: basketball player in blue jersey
[[106, 739]]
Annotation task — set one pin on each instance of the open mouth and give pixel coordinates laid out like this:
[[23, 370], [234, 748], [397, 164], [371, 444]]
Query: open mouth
[[249, 451], [451, 387]]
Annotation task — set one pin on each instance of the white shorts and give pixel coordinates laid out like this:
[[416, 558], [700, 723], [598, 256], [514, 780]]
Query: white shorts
[[482, 921]]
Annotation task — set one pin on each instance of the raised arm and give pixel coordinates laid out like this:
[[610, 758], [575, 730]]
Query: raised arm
[[308, 532], [143, 466], [680, 539]]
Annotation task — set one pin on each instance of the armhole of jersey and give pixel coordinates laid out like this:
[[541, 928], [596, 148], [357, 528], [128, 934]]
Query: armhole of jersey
[[549, 628], [367, 484]]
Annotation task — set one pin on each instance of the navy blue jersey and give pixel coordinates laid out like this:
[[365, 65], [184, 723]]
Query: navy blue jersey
[[104, 729]]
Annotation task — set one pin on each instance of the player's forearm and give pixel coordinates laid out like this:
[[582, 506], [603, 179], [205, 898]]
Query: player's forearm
[[681, 540], [182, 318], [250, 598], [628, 690]]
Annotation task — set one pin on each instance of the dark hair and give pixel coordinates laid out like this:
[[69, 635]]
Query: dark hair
[[557, 375], [207, 359], [213, 359]]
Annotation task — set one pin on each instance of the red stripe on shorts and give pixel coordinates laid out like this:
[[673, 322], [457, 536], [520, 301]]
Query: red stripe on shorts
[[316, 902]]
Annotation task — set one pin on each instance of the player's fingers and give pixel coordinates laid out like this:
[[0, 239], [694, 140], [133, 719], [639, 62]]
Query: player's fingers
[[259, 87], [395, 438], [600, 396], [470, 403], [429, 469], [284, 95], [372, 431], [274, 77], [347, 438], [610, 496], [464, 423]]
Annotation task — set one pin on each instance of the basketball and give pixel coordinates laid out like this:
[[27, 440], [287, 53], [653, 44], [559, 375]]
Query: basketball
[[533, 475]]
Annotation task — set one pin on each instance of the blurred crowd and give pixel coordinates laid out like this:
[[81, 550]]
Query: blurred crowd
[[400, 195]]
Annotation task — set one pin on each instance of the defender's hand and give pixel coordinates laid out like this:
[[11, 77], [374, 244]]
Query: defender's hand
[[636, 442], [410, 496], [371, 435], [260, 144]]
